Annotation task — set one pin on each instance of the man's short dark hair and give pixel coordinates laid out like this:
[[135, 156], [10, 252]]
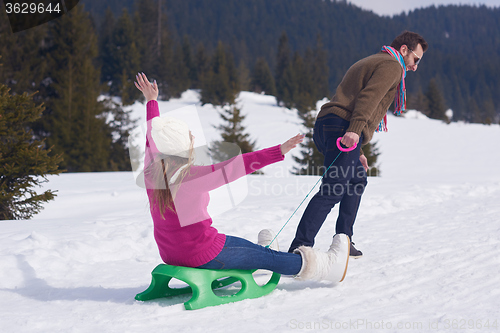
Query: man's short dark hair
[[410, 39]]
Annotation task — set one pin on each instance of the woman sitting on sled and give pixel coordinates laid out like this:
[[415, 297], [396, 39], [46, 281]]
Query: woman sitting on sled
[[178, 197]]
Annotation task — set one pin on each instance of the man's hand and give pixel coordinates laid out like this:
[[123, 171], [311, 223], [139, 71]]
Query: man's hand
[[150, 90], [350, 139]]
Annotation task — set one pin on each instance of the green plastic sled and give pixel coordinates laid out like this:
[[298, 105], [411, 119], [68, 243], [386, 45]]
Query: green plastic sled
[[202, 282]]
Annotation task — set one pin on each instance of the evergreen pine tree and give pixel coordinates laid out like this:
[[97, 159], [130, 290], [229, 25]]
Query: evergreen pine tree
[[146, 24], [319, 71], [24, 164], [283, 72], [220, 83], [24, 64], [208, 93], [371, 152], [105, 47], [303, 95], [474, 112], [164, 70], [311, 160], [178, 78], [119, 129], [418, 102], [232, 131], [155, 45], [243, 83], [202, 64], [288, 88], [232, 71], [459, 97], [262, 79], [75, 124], [488, 112], [126, 59], [189, 62], [437, 108]]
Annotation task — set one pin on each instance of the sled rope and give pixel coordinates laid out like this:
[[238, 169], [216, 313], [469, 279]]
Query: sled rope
[[307, 195]]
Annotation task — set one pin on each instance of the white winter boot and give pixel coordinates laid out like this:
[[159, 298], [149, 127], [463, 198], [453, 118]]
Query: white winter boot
[[265, 238], [331, 265]]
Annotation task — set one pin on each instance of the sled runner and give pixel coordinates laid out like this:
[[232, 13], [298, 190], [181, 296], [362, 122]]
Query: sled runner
[[202, 283]]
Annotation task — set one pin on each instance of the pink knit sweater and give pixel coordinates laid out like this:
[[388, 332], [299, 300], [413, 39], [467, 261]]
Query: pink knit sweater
[[185, 237]]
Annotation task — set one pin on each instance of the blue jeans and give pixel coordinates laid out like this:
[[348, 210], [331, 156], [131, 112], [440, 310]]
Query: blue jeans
[[344, 182], [239, 253]]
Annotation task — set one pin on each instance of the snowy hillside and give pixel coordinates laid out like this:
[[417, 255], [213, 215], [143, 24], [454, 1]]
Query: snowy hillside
[[429, 228]]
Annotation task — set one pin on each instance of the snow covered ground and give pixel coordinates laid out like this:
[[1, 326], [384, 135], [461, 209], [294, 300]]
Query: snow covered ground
[[429, 228]]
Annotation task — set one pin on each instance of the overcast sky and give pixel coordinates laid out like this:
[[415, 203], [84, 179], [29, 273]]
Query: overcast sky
[[391, 7]]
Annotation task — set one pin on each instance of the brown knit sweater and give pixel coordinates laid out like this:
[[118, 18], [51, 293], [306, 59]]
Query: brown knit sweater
[[365, 93]]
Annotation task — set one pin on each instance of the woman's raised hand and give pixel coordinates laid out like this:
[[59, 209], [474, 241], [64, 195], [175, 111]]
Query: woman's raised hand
[[291, 143], [150, 90]]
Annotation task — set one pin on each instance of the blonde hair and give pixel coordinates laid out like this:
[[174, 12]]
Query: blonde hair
[[162, 167]]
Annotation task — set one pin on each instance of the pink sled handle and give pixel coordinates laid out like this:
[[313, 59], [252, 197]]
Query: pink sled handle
[[345, 150]]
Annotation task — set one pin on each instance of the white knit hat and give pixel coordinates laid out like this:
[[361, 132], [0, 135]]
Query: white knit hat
[[171, 136]]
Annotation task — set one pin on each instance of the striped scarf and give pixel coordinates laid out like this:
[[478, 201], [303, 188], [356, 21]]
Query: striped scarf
[[400, 99]]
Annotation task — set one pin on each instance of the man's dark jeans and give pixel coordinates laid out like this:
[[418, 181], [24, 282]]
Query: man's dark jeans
[[344, 182]]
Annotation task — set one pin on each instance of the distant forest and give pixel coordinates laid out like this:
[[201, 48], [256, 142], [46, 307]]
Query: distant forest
[[462, 58], [295, 50]]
